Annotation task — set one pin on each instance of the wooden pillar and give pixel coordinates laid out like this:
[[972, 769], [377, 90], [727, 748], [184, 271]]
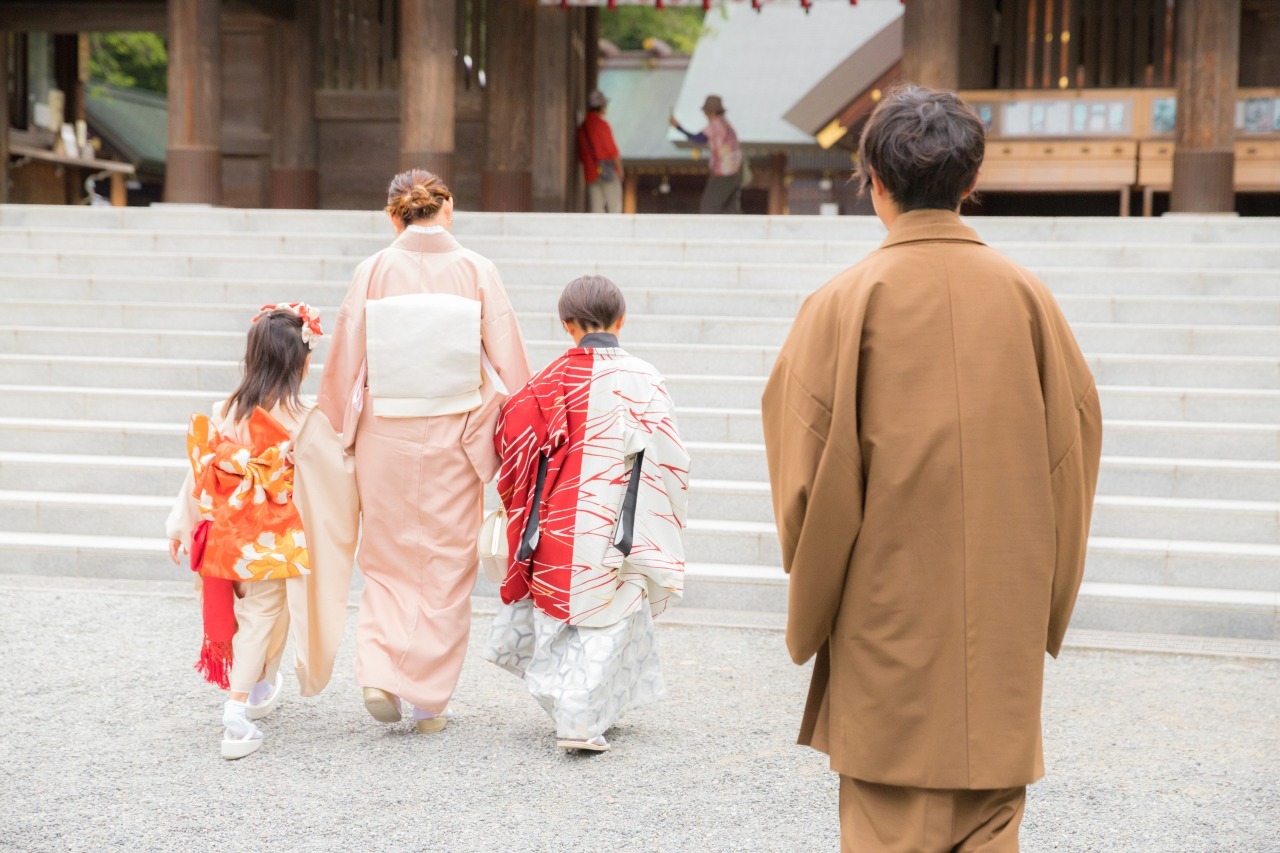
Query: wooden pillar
[[193, 171], [592, 38], [428, 85], [1208, 65], [778, 205], [507, 181], [553, 138], [931, 43], [977, 57], [4, 117], [294, 182]]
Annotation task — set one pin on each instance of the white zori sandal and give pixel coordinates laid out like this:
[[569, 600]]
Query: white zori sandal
[[267, 705], [239, 736], [594, 744]]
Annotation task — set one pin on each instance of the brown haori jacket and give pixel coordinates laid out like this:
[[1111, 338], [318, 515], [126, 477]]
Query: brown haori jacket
[[933, 436]]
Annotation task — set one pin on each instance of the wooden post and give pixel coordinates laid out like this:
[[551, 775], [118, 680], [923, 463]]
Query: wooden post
[[778, 205], [630, 184], [4, 116], [428, 85], [507, 181], [1204, 136], [931, 43], [553, 114], [119, 189], [294, 181], [193, 171]]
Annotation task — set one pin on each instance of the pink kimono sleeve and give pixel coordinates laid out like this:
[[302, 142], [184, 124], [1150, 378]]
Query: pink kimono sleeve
[[500, 333], [346, 360]]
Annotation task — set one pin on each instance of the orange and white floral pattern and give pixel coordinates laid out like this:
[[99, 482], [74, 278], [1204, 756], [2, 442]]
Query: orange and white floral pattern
[[246, 493]]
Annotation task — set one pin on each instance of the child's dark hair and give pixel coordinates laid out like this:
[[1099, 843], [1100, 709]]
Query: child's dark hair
[[275, 357], [924, 145], [593, 302]]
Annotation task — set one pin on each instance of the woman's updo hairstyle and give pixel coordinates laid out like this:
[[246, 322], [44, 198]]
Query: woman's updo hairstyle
[[416, 196]]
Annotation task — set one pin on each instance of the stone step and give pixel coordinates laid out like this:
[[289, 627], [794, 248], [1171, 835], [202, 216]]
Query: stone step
[[192, 218], [207, 262], [726, 306], [75, 332], [1167, 439], [745, 362], [1141, 608], [1146, 525], [1179, 610], [161, 473], [771, 287]]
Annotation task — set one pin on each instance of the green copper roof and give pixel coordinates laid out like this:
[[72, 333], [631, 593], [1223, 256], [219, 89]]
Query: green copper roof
[[133, 121]]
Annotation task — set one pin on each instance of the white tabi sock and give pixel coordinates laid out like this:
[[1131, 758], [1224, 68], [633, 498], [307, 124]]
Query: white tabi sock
[[261, 692], [419, 714], [235, 721]]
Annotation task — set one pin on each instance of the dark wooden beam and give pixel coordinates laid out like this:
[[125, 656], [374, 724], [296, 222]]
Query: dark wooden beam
[[281, 9], [294, 181], [73, 16], [4, 117], [193, 171], [428, 85], [510, 49], [1208, 63]]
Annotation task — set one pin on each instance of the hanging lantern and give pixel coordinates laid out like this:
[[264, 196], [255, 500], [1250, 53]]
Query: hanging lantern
[[706, 5], [806, 5], [755, 4]]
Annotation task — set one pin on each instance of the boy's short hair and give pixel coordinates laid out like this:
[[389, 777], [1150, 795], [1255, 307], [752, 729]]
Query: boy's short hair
[[924, 145], [592, 302]]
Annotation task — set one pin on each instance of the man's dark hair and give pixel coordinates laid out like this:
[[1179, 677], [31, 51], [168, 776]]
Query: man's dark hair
[[924, 145]]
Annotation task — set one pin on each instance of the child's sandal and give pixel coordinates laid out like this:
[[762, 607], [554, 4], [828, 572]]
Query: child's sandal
[[595, 744], [261, 710], [233, 747]]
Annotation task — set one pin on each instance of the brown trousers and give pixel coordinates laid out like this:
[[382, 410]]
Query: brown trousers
[[891, 819]]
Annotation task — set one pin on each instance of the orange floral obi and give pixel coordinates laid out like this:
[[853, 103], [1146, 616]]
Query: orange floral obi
[[246, 493]]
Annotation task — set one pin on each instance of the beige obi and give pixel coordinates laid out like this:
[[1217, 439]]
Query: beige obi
[[425, 355]]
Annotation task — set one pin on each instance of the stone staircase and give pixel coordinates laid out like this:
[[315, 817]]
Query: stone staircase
[[115, 324]]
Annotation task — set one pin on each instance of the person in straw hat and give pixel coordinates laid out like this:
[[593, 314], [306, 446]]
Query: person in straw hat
[[723, 193]]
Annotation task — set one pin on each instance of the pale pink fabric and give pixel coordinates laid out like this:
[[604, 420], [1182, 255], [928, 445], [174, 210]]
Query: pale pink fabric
[[420, 479]]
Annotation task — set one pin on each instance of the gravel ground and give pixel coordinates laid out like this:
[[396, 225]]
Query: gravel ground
[[112, 743]]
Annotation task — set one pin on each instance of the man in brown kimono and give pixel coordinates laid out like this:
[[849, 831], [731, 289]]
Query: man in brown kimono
[[933, 435]]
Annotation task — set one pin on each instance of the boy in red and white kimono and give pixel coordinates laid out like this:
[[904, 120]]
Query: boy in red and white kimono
[[595, 483]]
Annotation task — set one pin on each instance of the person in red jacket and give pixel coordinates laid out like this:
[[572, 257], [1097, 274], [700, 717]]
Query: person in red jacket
[[601, 161]]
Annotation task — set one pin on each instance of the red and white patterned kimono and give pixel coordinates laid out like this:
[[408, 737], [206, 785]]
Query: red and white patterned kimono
[[595, 482]]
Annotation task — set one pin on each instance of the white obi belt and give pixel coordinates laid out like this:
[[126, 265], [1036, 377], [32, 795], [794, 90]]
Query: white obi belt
[[425, 355]]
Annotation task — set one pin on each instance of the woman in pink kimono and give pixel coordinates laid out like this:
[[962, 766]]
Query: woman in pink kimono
[[426, 346]]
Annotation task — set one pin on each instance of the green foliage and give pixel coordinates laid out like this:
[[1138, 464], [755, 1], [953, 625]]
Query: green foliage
[[130, 60], [629, 26]]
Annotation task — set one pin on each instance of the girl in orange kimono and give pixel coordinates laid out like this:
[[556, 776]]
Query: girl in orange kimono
[[426, 346], [244, 519]]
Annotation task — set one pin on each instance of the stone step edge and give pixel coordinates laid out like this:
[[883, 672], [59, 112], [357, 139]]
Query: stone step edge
[[753, 487], [827, 269], [680, 616], [699, 411], [1151, 462], [752, 575], [665, 347], [718, 319]]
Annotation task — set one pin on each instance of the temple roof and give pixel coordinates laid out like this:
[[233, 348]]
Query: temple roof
[[135, 122], [782, 63]]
